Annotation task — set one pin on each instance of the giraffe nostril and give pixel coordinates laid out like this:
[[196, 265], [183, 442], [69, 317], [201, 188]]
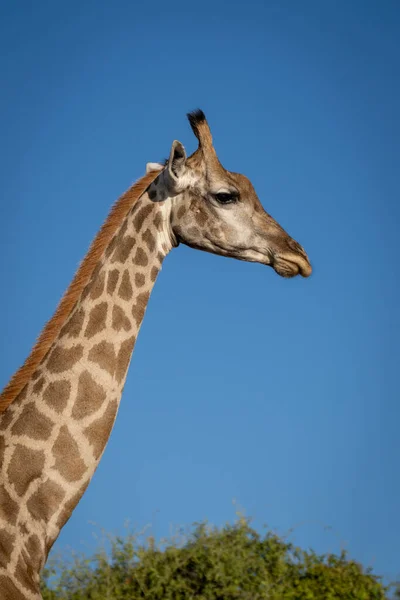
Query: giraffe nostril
[[295, 247]]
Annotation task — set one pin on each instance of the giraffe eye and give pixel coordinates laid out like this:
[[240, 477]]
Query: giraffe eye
[[226, 197]]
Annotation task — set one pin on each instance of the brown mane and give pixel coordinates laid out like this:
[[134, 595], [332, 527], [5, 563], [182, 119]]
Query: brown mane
[[76, 287]]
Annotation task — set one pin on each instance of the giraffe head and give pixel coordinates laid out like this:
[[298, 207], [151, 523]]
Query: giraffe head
[[218, 211]]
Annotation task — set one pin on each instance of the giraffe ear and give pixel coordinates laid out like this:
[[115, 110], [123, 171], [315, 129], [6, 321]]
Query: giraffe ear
[[177, 160], [154, 167]]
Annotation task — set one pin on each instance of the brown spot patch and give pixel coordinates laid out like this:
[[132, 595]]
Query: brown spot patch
[[119, 319], [32, 423], [158, 221], [69, 507], [123, 249], [23, 528], [103, 354], [68, 460], [33, 556], [6, 545], [125, 289], [85, 292], [93, 278], [10, 591], [178, 231], [97, 320], [141, 258], [153, 273], [20, 399], [25, 466], [123, 229], [181, 211], [6, 418], [38, 385], [140, 306], [111, 246], [149, 240], [62, 359], [46, 500], [201, 218], [89, 398], [140, 279], [26, 575], [8, 507], [193, 232], [99, 431], [98, 286], [124, 356], [112, 281], [56, 394], [73, 326], [141, 215], [34, 549]]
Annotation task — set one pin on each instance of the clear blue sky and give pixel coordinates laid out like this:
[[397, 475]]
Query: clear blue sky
[[280, 394]]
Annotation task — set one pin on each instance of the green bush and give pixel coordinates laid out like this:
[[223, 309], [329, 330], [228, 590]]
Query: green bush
[[231, 563]]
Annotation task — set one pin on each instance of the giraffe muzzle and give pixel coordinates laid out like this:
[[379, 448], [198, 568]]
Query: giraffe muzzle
[[290, 264]]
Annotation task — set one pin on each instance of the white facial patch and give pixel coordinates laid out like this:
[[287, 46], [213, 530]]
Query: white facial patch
[[153, 167], [187, 179]]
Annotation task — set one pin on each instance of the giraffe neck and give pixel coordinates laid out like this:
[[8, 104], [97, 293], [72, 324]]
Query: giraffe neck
[[56, 430]]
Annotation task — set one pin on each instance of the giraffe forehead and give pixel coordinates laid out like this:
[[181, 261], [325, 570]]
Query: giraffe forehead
[[242, 182], [215, 178]]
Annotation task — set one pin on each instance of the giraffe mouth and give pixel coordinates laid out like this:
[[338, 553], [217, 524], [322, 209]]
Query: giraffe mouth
[[290, 267]]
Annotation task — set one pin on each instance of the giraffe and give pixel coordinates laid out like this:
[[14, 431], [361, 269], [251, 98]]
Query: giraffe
[[58, 409]]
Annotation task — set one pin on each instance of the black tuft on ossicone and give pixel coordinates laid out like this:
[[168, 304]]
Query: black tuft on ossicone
[[195, 118]]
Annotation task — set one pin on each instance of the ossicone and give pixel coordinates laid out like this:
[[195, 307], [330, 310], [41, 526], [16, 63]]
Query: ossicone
[[200, 127]]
